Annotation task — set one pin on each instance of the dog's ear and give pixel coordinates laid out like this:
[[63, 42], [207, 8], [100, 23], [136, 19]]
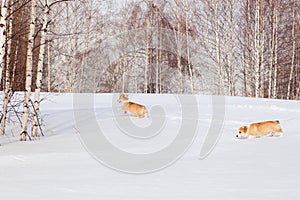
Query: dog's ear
[[245, 129]]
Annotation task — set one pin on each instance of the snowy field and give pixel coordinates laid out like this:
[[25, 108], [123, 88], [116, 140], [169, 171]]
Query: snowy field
[[60, 166]]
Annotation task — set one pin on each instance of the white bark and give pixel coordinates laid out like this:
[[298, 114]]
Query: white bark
[[7, 83], [250, 44], [207, 24], [188, 45], [217, 48], [157, 40], [146, 58], [72, 44], [230, 57], [84, 84], [2, 35], [262, 47], [29, 63], [271, 62], [273, 48], [160, 60], [293, 52], [257, 48], [15, 62], [179, 45], [275, 51], [69, 68], [124, 60], [179, 61], [49, 67], [35, 115]]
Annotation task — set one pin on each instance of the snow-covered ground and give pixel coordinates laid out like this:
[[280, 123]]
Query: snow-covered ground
[[62, 166]]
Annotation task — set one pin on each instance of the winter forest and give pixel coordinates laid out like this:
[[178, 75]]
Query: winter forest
[[247, 48]]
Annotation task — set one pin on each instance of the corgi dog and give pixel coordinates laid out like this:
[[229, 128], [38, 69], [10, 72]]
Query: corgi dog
[[132, 107], [267, 128]]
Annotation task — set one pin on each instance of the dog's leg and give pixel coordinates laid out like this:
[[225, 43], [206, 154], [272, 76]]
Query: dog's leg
[[146, 113], [122, 110], [271, 134], [275, 135], [281, 134]]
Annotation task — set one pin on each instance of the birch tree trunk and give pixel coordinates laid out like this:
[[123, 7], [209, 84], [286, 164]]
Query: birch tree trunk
[[245, 70], [124, 60], [49, 67], [288, 96], [207, 24], [179, 68], [87, 44], [188, 45], [274, 95], [35, 115], [157, 90], [262, 47], [3, 23], [160, 60], [29, 63], [217, 48], [178, 40], [230, 50], [72, 44], [146, 58], [250, 44], [15, 63], [257, 48], [87, 81], [271, 47], [6, 81]]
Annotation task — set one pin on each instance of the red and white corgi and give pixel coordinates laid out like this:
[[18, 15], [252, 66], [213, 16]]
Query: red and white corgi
[[267, 128], [132, 107]]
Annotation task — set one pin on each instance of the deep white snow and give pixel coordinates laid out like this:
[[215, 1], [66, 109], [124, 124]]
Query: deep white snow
[[58, 166]]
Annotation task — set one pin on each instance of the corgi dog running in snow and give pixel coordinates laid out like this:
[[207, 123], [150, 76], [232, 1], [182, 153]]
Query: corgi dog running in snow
[[267, 128], [133, 108]]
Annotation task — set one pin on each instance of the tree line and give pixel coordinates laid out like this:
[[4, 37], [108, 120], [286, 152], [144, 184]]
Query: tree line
[[229, 47], [245, 48]]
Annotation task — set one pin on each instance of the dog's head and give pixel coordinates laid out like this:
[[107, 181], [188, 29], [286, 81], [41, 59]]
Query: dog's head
[[242, 132], [123, 97]]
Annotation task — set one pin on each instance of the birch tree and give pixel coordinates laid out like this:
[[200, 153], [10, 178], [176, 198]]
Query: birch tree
[[218, 47], [293, 16], [179, 45], [157, 52], [35, 114], [29, 62], [257, 48], [3, 19], [274, 51], [6, 80], [124, 60], [187, 28], [249, 46], [230, 48], [146, 56]]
